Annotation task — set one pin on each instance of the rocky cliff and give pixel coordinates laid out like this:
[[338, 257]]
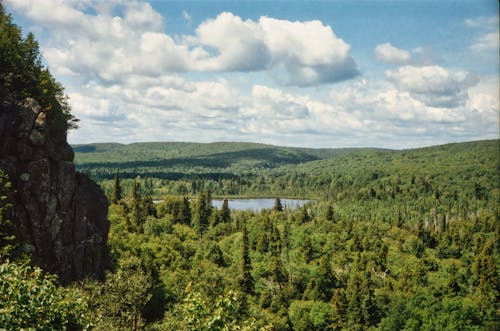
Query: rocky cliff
[[60, 215]]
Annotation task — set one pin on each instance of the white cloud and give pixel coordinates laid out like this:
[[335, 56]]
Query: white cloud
[[129, 81], [482, 22], [435, 86], [486, 42], [390, 54], [310, 52], [108, 46], [187, 17], [239, 45]]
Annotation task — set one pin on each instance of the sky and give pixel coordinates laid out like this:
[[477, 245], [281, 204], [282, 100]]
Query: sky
[[392, 74]]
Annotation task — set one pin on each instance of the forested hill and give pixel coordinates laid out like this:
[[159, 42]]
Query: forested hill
[[245, 169], [173, 159]]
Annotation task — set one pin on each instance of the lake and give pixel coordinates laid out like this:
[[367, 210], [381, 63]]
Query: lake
[[259, 204]]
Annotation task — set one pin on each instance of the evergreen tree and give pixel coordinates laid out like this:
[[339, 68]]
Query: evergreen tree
[[246, 280], [277, 205], [225, 212], [304, 215], [329, 213], [203, 213], [185, 212], [117, 191], [148, 206], [138, 217]]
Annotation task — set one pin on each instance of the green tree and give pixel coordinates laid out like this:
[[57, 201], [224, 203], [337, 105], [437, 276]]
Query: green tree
[[119, 302], [117, 191], [185, 212], [137, 212], [203, 212], [329, 213], [277, 205], [23, 75], [31, 299], [246, 280], [225, 212]]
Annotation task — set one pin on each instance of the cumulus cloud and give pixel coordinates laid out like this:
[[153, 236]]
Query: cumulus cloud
[[130, 81], [486, 42], [392, 55], [435, 86], [239, 45], [310, 52], [109, 46]]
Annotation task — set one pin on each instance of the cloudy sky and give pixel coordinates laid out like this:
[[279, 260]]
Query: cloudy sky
[[395, 74]]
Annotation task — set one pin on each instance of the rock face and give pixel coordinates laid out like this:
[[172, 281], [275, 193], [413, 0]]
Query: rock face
[[60, 215]]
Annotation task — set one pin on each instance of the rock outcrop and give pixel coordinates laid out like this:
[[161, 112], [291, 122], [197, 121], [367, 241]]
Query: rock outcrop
[[60, 215]]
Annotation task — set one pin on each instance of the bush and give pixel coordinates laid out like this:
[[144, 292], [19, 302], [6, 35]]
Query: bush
[[30, 298]]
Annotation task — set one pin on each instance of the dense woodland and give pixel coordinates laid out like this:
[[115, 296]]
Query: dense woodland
[[395, 240]]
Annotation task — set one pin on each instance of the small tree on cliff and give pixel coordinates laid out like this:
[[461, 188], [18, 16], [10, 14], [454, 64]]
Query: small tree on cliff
[[23, 75]]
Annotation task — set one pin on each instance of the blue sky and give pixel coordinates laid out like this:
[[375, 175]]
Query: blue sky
[[394, 74]]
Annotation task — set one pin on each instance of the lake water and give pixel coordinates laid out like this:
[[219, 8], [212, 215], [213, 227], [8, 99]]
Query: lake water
[[259, 204]]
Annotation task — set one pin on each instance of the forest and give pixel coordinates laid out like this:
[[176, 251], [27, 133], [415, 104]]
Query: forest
[[392, 240]]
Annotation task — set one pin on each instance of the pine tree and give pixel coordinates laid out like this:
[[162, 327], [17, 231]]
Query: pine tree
[[277, 205], [117, 191], [329, 213], [225, 212], [203, 213], [138, 217], [304, 215], [246, 280], [185, 212]]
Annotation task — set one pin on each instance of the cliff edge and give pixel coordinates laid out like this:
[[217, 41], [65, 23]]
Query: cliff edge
[[60, 214]]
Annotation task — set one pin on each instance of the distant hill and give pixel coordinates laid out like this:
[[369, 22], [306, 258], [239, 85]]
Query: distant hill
[[248, 169], [162, 158]]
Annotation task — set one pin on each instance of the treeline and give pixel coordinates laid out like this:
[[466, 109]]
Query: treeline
[[451, 173]]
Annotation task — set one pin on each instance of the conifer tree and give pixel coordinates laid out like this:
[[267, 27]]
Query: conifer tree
[[225, 212], [185, 212], [203, 213], [117, 191], [246, 280], [329, 213], [138, 217], [277, 205]]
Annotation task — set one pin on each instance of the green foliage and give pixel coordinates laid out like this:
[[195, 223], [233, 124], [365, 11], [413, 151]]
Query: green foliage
[[246, 278], [117, 191], [23, 75], [118, 303], [31, 299], [7, 237], [277, 205]]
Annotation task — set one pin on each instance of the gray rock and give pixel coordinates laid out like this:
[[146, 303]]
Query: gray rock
[[60, 215]]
